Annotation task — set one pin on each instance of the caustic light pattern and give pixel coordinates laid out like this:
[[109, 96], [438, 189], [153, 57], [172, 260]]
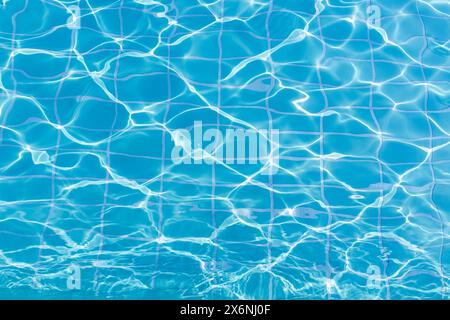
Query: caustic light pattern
[[349, 200]]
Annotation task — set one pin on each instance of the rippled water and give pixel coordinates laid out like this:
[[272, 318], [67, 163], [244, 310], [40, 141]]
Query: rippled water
[[92, 204]]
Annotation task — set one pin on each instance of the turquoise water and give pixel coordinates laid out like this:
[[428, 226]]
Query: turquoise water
[[350, 202]]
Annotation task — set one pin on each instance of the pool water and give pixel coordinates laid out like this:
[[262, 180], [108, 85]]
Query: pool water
[[116, 181]]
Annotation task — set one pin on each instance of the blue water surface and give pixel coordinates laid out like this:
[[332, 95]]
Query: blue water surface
[[93, 206]]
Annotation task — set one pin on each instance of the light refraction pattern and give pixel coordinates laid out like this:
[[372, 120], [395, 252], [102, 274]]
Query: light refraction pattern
[[93, 206]]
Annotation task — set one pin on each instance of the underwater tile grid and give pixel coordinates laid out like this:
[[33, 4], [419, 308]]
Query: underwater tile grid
[[224, 149]]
